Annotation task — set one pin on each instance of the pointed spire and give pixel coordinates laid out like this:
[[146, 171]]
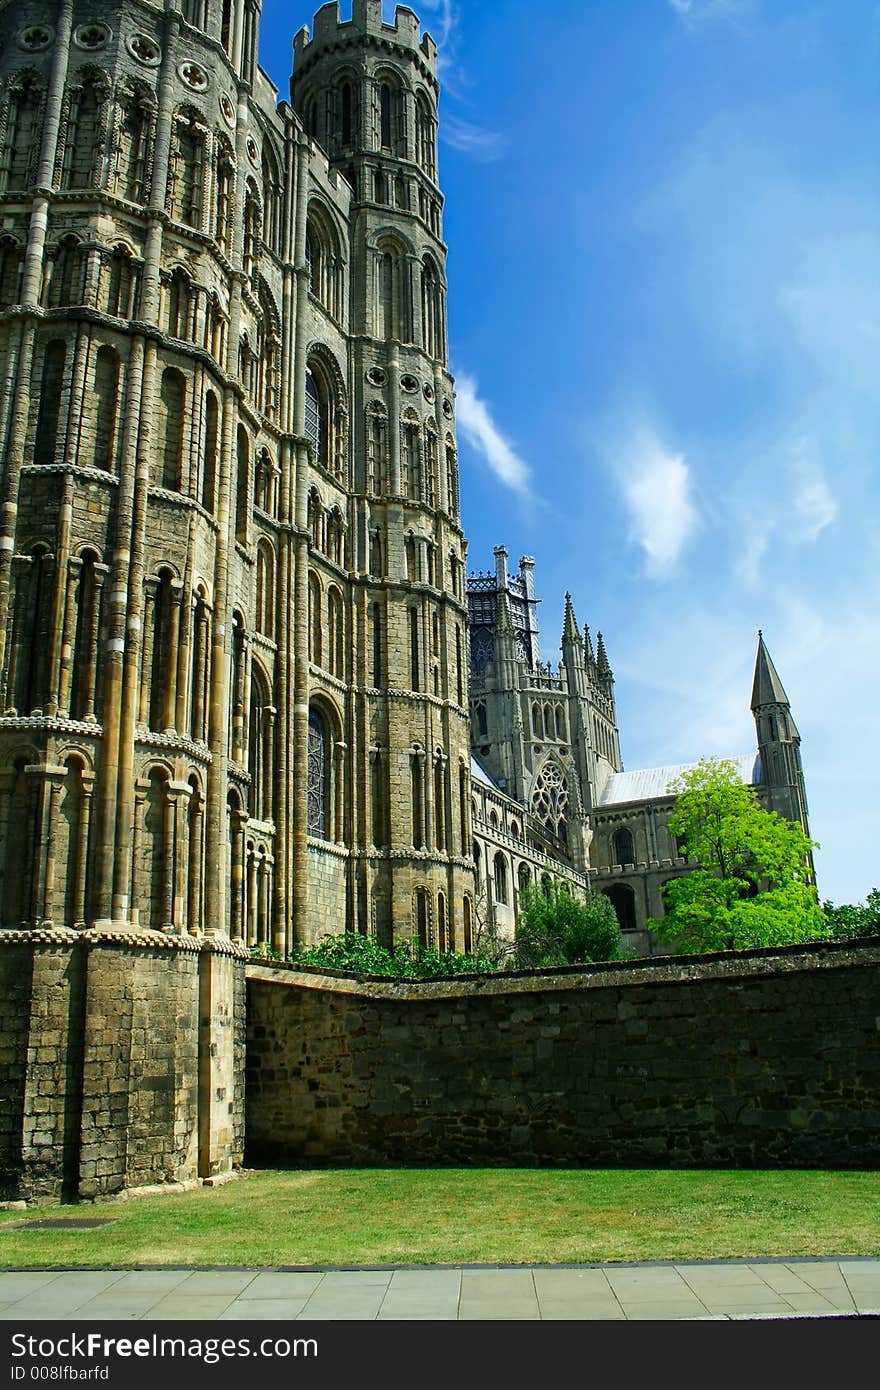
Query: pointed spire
[[503, 624], [570, 633], [767, 688], [602, 665], [588, 647]]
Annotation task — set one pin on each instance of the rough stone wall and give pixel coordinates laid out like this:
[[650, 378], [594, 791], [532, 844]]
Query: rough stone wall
[[758, 1058], [121, 1062]]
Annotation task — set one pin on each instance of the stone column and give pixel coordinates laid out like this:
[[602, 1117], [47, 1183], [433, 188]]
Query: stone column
[[82, 851], [99, 573], [68, 632]]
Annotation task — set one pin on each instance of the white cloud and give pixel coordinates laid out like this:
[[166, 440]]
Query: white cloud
[[694, 12], [471, 139], [447, 19], [482, 434], [657, 489]]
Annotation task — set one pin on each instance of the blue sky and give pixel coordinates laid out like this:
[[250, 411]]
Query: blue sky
[[664, 310]]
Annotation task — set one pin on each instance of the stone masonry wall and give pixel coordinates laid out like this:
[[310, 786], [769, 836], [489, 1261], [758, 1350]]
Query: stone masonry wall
[[121, 1061], [762, 1058]]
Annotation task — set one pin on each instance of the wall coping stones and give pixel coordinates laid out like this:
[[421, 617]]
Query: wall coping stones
[[146, 940], [661, 970]]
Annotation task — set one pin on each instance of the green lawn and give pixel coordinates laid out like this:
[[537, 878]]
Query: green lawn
[[452, 1216]]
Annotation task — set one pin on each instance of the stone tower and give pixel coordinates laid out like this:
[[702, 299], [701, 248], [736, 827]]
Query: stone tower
[[546, 735], [367, 91], [231, 572]]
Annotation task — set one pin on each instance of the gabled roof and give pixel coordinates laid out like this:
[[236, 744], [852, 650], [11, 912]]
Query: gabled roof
[[479, 774], [651, 783]]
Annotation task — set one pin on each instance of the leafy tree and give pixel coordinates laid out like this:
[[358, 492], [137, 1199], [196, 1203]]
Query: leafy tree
[[753, 884], [557, 928], [854, 919]]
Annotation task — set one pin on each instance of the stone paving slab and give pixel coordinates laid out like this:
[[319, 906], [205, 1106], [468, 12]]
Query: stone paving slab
[[723, 1290]]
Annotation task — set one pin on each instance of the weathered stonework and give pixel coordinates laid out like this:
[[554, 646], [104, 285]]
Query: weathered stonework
[[122, 1062], [756, 1059]]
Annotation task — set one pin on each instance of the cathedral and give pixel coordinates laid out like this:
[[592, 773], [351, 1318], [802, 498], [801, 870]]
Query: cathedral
[[248, 690]]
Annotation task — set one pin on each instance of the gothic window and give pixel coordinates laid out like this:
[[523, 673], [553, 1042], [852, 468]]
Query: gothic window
[[209, 454], [318, 777], [86, 644], [414, 655], [420, 912], [121, 283], [224, 194], [82, 137], [409, 458], [377, 443], [159, 655], [462, 806], [459, 669], [49, 410], [385, 116], [455, 574], [26, 656], [440, 800], [172, 398], [22, 140], [392, 317], [226, 22], [451, 478], [266, 484], [271, 199], [525, 878], [501, 891], [335, 634], [537, 722], [348, 114], [318, 417], [482, 649], [467, 924], [430, 466], [416, 767], [549, 801], [335, 536], [260, 748], [201, 657], [624, 903], [242, 490], [176, 294], [186, 169], [376, 632], [315, 621], [391, 123], [560, 724], [433, 325], [441, 923], [252, 230], [132, 151], [265, 589], [380, 187], [623, 847], [425, 135], [10, 271], [106, 386], [323, 261], [66, 285], [410, 556], [377, 553]]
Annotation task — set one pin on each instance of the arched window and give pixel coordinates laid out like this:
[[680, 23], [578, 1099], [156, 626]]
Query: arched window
[[391, 117], [209, 454], [560, 724], [49, 409], [21, 145], [467, 924], [414, 653], [120, 278], [501, 892], [623, 901], [335, 634], [10, 271], [171, 405], [392, 311], [451, 477], [420, 913], [416, 768], [265, 589], [318, 778], [537, 722], [317, 416], [410, 556], [157, 654], [425, 135], [549, 801], [186, 168], [106, 406], [253, 222], [433, 313], [440, 799], [242, 491], [224, 194], [271, 199], [376, 625], [260, 726], [315, 621], [623, 847], [133, 142], [27, 653], [441, 923], [524, 878], [80, 163], [201, 658], [66, 285], [86, 647], [176, 294], [410, 457], [377, 446]]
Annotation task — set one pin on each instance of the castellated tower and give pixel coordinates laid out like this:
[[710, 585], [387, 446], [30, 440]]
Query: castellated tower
[[367, 91], [233, 703]]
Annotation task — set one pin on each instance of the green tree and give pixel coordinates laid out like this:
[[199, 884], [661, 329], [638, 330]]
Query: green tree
[[854, 919], [753, 882], [557, 928]]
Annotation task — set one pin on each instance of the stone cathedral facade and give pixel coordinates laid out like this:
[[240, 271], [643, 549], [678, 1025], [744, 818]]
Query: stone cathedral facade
[[233, 658]]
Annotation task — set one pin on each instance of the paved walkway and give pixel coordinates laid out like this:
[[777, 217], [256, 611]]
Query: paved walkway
[[729, 1289]]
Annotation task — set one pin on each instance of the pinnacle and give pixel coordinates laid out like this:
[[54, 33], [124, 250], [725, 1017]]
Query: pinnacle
[[570, 633], [767, 688]]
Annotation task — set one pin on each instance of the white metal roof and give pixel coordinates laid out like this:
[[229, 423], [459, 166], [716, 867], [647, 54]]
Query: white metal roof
[[647, 784]]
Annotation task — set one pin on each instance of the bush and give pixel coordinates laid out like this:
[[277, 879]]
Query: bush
[[364, 956], [557, 928], [854, 919]]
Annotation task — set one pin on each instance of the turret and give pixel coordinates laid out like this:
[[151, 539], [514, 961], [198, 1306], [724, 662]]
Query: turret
[[782, 775]]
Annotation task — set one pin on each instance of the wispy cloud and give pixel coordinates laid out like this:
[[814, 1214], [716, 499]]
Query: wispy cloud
[[657, 489], [481, 432], [696, 12], [475, 140], [447, 18]]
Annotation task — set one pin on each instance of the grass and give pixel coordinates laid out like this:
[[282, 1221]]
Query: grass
[[467, 1216]]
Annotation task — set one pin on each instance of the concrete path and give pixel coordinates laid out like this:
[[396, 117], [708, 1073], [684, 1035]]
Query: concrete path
[[723, 1289]]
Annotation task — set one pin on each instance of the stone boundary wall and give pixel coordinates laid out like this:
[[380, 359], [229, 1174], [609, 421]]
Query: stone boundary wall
[[757, 1059], [121, 1061]]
